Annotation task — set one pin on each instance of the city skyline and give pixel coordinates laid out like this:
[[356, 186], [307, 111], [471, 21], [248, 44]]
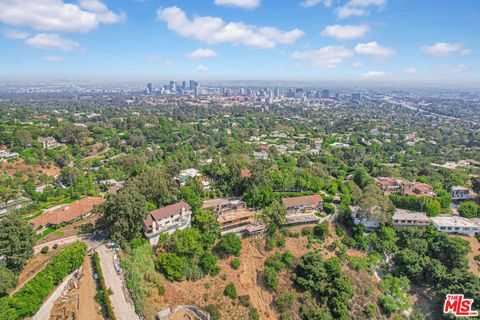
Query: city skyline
[[311, 40]]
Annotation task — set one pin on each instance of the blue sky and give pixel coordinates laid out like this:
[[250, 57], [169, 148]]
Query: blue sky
[[361, 40]]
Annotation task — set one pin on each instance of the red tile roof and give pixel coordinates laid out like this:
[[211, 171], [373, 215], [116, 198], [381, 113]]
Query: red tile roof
[[68, 212]]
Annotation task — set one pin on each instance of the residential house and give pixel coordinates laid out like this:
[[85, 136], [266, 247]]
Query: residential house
[[67, 213], [7, 154], [461, 194], [455, 224], [303, 204], [370, 222], [177, 216], [234, 217], [405, 188], [49, 142], [192, 173], [404, 218]]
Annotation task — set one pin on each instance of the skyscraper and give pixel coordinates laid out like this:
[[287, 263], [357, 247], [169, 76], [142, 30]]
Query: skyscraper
[[149, 88]]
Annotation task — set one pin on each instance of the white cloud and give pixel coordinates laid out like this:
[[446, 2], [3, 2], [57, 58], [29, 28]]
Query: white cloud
[[56, 15], [358, 64], [358, 8], [411, 70], [326, 57], [52, 41], [345, 12], [202, 68], [466, 52], [246, 4], [15, 34], [366, 3], [442, 49], [53, 58], [373, 75], [373, 49], [311, 3], [345, 32], [168, 63], [215, 30], [202, 53], [450, 69]]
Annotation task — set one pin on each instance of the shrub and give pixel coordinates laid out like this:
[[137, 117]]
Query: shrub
[[102, 296], [329, 208], [55, 246], [161, 290], [235, 264], [230, 291], [213, 311], [284, 301], [270, 277], [322, 230], [254, 315], [370, 310], [26, 302], [271, 244], [244, 301], [44, 250], [172, 266], [230, 245]]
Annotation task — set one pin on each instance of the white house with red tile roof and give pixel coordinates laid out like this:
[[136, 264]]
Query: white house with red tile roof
[[177, 216]]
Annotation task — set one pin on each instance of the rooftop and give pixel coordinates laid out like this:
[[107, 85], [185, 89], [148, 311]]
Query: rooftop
[[449, 221], [68, 212], [401, 214], [302, 201]]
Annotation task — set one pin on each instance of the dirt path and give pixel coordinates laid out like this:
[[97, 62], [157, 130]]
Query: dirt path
[[88, 307], [475, 246]]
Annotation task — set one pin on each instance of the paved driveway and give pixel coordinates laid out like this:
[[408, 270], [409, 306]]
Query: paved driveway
[[122, 306]]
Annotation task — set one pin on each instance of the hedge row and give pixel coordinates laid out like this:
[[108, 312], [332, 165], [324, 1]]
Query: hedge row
[[103, 288], [28, 300]]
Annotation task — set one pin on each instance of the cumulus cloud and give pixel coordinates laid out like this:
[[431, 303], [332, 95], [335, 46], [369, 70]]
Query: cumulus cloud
[[326, 57], [52, 41], [358, 8], [373, 49], [202, 68], [441, 49], [411, 70], [53, 58], [246, 4], [373, 74], [15, 34], [215, 30], [202, 53], [57, 16], [450, 69], [345, 32], [358, 64], [311, 3]]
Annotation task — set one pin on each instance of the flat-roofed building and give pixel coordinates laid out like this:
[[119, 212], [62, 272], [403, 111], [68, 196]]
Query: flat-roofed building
[[234, 217], [404, 218], [451, 224], [461, 194]]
